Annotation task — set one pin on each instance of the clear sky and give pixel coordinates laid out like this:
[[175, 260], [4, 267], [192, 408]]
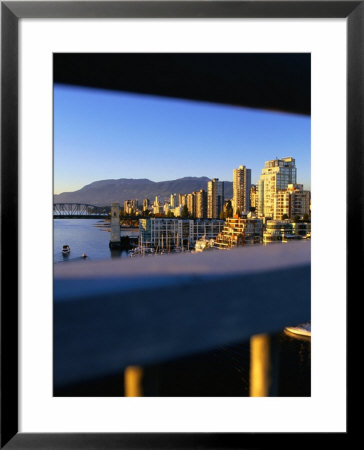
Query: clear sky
[[101, 134]]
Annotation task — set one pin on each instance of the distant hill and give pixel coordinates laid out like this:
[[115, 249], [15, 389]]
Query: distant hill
[[104, 192]]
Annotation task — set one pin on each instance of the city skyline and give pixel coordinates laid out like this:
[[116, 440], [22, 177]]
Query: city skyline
[[106, 135]]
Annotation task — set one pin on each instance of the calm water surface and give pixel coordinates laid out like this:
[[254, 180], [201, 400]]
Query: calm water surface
[[89, 236]]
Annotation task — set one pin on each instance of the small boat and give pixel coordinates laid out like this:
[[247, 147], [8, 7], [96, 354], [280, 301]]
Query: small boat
[[304, 329], [204, 244], [66, 249]]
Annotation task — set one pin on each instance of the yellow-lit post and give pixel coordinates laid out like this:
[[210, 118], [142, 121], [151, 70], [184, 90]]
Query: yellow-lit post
[[260, 365], [133, 376]]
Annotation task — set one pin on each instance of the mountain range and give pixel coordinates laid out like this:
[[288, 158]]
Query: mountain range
[[104, 192]]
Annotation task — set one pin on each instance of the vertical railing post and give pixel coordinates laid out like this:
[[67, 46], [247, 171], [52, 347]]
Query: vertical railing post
[[133, 379], [263, 366]]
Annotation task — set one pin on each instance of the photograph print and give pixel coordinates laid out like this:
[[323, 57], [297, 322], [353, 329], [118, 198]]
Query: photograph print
[[181, 224]]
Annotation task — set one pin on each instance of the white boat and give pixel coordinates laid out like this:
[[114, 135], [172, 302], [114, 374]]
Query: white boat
[[66, 249], [204, 244], [304, 329]]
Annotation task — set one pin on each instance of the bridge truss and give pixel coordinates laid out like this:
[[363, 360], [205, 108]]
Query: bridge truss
[[78, 209]]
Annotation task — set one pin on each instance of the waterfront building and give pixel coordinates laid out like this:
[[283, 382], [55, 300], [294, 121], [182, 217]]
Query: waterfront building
[[201, 204], [253, 196], [215, 198], [277, 230], [276, 175], [165, 233], [240, 231], [241, 189], [293, 201], [301, 229], [284, 230]]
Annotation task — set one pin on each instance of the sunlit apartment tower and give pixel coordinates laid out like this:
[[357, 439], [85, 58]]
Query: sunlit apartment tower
[[276, 175], [201, 204], [253, 196], [215, 198], [146, 204], [191, 204], [157, 206], [182, 199], [241, 189], [174, 200], [166, 208], [293, 201]]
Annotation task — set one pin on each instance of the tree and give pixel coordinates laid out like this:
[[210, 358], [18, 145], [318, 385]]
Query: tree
[[306, 218], [229, 209], [238, 212], [296, 219], [170, 214], [285, 217], [185, 213]]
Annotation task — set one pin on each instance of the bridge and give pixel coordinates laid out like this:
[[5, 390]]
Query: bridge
[[87, 211], [79, 211]]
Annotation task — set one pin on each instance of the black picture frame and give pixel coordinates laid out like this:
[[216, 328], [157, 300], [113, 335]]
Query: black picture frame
[[11, 12]]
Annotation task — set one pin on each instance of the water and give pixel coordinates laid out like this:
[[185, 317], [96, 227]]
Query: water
[[89, 236]]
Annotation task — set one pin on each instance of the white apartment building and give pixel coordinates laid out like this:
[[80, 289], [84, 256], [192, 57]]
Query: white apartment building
[[276, 175]]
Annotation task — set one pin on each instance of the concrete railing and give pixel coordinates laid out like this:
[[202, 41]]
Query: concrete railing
[[112, 314]]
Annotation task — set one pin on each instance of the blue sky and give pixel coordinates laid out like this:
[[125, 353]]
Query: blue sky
[[101, 134]]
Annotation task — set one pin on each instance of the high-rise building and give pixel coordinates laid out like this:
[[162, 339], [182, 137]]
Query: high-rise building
[[241, 189], [174, 200], [253, 196], [191, 204], [215, 198], [182, 199], [146, 204], [157, 206], [201, 204], [276, 175]]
